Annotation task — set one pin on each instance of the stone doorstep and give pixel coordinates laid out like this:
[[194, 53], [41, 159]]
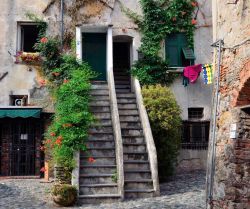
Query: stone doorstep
[[19, 177]]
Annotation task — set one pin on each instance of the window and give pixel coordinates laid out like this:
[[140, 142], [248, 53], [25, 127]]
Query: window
[[18, 100], [177, 52], [28, 35], [195, 113], [195, 135]]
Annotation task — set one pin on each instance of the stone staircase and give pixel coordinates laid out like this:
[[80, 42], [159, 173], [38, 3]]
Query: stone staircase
[[97, 180], [138, 180]]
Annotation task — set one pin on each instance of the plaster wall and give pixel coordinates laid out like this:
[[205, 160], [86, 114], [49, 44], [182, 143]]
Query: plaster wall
[[231, 179]]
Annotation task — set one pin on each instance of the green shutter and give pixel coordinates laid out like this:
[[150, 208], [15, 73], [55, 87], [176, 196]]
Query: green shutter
[[188, 53], [174, 45], [94, 52]]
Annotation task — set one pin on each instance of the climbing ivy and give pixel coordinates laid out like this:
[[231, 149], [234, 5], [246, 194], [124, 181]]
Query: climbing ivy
[[69, 81], [160, 19]]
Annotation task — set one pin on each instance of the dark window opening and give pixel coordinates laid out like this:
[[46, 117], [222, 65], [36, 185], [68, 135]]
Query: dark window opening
[[18, 100], [195, 135], [178, 54], [195, 113], [29, 36]]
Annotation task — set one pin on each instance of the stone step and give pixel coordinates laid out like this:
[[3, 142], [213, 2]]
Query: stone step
[[99, 87], [99, 160], [137, 174], [129, 118], [104, 122], [137, 193], [128, 132], [101, 116], [97, 103], [134, 147], [98, 199], [105, 152], [92, 189], [100, 98], [138, 184], [126, 101], [96, 169], [126, 95], [101, 129], [131, 139], [122, 90], [127, 106], [129, 112], [100, 109], [122, 78], [135, 156], [100, 144], [136, 164], [130, 125], [101, 137], [96, 179], [101, 92], [98, 82], [122, 82], [122, 86]]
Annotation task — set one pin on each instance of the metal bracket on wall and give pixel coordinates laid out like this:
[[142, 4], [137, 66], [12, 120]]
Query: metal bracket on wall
[[3, 76]]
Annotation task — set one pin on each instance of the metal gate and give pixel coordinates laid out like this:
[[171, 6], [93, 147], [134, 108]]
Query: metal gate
[[22, 148]]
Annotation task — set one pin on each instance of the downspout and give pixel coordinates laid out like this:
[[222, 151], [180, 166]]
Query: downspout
[[62, 23], [210, 182]]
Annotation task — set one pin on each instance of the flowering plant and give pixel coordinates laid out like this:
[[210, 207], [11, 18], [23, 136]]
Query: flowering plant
[[28, 57]]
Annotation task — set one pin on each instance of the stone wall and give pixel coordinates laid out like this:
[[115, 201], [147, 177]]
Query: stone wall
[[231, 180]]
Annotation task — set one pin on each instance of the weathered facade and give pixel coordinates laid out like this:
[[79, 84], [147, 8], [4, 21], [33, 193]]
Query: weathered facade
[[193, 155], [228, 179], [123, 146]]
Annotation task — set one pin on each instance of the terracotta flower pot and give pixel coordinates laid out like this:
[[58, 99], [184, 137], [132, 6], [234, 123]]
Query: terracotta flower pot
[[64, 194]]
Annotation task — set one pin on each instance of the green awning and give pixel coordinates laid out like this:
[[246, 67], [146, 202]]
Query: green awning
[[20, 113]]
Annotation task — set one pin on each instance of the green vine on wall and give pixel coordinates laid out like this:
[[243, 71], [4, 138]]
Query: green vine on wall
[[69, 81], [160, 19]]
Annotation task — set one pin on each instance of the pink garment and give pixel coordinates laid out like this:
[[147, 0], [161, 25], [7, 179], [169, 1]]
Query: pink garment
[[192, 72]]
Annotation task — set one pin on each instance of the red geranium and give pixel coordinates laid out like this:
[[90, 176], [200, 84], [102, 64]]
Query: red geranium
[[52, 134], [44, 40], [65, 81], [194, 21], [91, 159]]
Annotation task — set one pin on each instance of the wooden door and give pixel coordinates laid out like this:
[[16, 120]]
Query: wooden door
[[94, 52]]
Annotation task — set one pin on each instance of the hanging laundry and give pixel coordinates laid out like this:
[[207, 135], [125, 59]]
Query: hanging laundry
[[192, 72], [207, 73]]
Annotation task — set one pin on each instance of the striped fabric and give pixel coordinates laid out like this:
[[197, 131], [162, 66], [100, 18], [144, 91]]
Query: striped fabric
[[207, 73]]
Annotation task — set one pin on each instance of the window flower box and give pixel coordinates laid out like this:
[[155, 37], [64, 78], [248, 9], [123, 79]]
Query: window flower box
[[33, 58]]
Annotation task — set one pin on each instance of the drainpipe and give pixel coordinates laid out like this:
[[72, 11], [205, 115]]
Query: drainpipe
[[218, 44], [62, 23]]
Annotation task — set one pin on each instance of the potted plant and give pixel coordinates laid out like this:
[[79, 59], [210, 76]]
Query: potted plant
[[64, 194]]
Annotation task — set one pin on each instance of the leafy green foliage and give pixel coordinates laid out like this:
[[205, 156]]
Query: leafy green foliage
[[69, 80], [72, 120], [160, 19], [165, 120]]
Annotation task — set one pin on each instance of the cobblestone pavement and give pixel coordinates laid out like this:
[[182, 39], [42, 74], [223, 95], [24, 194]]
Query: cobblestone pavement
[[185, 191]]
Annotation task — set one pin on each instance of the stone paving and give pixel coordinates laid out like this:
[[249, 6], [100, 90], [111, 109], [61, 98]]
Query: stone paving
[[185, 191]]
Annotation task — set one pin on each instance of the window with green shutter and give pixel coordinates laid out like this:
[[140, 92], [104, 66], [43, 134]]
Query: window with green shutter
[[177, 51]]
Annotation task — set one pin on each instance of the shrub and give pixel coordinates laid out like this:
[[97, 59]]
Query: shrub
[[164, 115]]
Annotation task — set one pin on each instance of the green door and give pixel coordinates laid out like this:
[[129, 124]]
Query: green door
[[94, 52]]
